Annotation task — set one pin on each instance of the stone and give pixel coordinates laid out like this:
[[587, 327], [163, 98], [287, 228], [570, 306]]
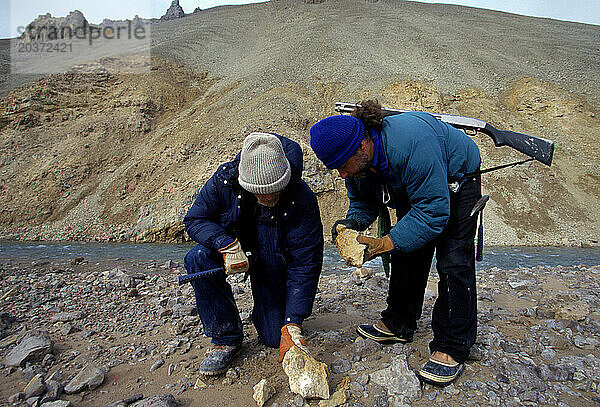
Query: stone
[[90, 377], [262, 392], [67, 316], [348, 247], [58, 403], [362, 272], [307, 376], [162, 400], [157, 364], [362, 346], [339, 396], [35, 387], [53, 390], [32, 348], [398, 379], [340, 365]]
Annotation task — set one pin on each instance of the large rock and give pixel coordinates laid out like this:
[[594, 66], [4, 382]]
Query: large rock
[[32, 348], [262, 392], [398, 380], [348, 247], [161, 400], [89, 377], [307, 376]]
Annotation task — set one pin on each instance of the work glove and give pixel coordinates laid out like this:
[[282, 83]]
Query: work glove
[[234, 257], [376, 245], [291, 335], [349, 223]]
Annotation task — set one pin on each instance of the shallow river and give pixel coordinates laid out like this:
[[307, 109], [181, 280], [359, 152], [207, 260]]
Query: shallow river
[[504, 257]]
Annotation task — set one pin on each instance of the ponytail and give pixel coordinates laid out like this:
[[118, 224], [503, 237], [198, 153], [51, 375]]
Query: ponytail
[[370, 114]]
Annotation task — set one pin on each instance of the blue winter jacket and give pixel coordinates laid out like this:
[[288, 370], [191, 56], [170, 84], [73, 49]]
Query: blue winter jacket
[[297, 246], [424, 155]]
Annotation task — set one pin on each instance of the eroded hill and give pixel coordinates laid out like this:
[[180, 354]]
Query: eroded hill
[[100, 153]]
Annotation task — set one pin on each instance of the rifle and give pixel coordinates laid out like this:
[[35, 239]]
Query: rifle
[[536, 148]]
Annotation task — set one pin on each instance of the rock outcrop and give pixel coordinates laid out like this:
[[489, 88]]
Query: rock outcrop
[[48, 28], [174, 11]]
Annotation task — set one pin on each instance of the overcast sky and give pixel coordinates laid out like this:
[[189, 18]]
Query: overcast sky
[[16, 13]]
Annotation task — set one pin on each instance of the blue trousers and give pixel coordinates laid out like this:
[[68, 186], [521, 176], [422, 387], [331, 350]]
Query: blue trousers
[[216, 305]]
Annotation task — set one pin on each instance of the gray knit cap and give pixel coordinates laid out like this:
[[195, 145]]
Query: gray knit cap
[[264, 168]]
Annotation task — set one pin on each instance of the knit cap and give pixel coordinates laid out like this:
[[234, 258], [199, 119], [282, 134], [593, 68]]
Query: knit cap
[[336, 138], [263, 168]]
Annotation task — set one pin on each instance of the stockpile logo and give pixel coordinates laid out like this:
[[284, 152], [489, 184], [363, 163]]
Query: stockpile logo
[[57, 44]]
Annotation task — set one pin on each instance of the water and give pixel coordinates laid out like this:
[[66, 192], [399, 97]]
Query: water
[[504, 257]]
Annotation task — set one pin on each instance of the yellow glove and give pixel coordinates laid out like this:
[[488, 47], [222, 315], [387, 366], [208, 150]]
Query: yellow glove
[[376, 246], [235, 259], [291, 335]]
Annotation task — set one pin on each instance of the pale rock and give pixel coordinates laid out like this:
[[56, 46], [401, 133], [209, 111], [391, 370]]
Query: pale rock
[[262, 392], [398, 379], [307, 376], [89, 377], [200, 384], [340, 395], [348, 247], [361, 272]]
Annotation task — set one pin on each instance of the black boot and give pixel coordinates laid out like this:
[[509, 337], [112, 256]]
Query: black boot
[[218, 359]]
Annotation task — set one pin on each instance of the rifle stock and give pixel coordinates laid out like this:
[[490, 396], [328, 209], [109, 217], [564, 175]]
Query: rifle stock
[[539, 149]]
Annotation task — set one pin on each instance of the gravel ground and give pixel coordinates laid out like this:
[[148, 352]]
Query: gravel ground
[[137, 331]]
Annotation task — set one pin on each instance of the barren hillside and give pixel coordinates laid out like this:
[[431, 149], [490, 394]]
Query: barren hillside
[[100, 153]]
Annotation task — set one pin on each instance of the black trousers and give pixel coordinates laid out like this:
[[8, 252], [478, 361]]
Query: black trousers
[[454, 319]]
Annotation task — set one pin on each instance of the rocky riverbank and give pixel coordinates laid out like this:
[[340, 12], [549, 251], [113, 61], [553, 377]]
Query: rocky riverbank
[[96, 334]]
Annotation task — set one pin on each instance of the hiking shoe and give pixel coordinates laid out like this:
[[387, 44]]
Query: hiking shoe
[[218, 359], [377, 335], [440, 373]]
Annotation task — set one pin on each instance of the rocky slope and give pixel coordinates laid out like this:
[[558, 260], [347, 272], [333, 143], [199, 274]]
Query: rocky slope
[[101, 153]]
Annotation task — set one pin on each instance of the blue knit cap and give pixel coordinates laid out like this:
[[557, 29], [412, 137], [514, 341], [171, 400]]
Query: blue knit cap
[[336, 138]]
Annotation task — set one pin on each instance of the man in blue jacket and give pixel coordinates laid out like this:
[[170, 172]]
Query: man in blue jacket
[[256, 215], [412, 162]]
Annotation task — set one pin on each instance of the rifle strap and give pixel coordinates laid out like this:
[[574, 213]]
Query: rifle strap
[[499, 167], [384, 225]]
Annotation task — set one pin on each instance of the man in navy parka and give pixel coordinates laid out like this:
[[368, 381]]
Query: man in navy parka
[[408, 162], [256, 215]]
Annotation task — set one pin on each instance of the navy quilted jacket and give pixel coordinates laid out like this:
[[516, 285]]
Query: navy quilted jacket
[[295, 227]]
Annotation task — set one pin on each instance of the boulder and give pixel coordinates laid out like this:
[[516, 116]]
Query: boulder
[[307, 376]]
